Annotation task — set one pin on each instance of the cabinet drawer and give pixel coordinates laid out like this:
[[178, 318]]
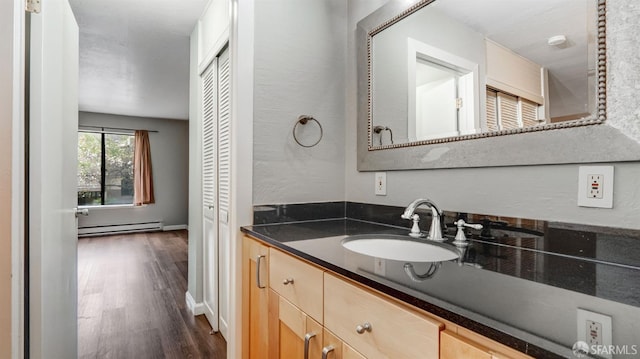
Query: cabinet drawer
[[395, 332], [497, 350], [453, 346], [303, 281]]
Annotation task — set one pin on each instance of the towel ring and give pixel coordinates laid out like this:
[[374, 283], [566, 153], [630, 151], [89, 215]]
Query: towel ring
[[302, 120]]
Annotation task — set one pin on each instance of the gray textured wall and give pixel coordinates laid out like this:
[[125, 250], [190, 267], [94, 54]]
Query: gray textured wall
[[169, 155], [300, 49], [546, 192]]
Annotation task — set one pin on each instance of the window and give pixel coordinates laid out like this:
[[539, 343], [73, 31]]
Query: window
[[105, 168]]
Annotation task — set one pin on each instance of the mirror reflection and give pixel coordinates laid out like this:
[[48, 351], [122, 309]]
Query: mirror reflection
[[464, 67]]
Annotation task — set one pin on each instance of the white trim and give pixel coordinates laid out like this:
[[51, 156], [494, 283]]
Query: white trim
[[194, 308], [220, 43], [17, 185], [176, 227], [241, 44], [469, 117]]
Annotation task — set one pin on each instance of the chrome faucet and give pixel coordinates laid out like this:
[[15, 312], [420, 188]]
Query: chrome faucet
[[435, 232]]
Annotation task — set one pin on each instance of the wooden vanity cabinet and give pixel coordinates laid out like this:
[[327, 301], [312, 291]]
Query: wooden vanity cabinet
[[255, 267], [286, 300]]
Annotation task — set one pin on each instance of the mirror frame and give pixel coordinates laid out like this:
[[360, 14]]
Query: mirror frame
[[546, 144]]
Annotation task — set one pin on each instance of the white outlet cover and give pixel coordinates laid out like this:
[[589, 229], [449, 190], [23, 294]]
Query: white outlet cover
[[607, 336], [607, 186], [380, 184]]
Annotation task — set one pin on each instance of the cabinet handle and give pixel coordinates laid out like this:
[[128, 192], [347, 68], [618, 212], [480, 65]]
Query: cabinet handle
[[258, 281], [366, 327], [287, 281], [307, 339], [326, 350]]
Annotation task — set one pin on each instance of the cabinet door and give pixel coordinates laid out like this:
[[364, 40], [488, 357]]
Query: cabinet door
[[255, 298], [298, 335], [334, 348]]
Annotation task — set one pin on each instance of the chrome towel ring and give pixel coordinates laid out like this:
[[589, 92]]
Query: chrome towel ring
[[303, 120]]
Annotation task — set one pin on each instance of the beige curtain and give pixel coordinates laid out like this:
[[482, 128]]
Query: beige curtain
[[142, 174]]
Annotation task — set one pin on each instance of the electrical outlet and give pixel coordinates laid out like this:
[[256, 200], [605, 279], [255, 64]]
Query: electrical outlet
[[381, 184], [594, 332], [595, 329], [595, 186]]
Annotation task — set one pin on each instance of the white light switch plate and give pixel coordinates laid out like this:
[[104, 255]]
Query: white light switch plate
[[595, 186], [381, 184]]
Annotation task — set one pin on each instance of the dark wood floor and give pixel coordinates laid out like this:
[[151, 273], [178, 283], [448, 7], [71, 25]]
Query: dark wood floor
[[131, 300]]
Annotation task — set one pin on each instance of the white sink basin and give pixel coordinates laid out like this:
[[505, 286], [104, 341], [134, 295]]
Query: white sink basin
[[400, 248]]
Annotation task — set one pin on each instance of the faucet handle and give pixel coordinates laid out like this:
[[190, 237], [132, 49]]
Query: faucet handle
[[461, 238], [415, 229]]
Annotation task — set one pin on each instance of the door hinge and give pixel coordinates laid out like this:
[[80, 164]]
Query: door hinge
[[459, 103], [33, 6]]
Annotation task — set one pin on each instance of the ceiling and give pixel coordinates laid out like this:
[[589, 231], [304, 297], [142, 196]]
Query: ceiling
[[525, 27], [134, 56]]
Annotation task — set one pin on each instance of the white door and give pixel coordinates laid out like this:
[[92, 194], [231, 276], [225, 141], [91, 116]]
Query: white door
[[209, 193], [224, 187], [53, 107], [216, 111]]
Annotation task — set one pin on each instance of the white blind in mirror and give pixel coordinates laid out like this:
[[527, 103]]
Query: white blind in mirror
[[507, 111], [492, 110], [528, 112]]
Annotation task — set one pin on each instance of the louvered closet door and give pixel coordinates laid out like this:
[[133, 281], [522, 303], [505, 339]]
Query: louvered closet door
[[210, 261], [224, 184]]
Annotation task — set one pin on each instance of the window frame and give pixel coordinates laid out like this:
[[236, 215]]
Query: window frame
[[103, 164]]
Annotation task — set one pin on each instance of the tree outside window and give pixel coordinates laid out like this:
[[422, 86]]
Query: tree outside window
[[105, 168]]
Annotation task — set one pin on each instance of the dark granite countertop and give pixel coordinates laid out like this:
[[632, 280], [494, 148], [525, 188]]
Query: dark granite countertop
[[487, 288]]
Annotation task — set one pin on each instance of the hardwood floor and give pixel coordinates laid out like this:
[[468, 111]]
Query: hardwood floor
[[131, 300]]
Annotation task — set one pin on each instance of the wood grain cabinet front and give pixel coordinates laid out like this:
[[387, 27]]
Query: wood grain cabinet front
[[297, 335], [255, 266], [459, 345], [335, 348], [375, 326], [299, 282]]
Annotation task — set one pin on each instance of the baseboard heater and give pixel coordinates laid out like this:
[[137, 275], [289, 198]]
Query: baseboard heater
[[119, 228]]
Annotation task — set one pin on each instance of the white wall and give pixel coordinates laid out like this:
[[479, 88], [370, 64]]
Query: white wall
[[169, 156], [541, 192], [7, 108], [300, 49]]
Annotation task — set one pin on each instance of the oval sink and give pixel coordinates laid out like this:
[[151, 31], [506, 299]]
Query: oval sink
[[400, 248]]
